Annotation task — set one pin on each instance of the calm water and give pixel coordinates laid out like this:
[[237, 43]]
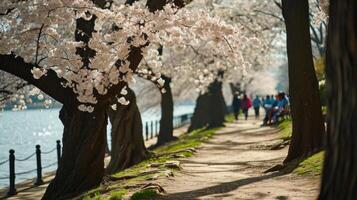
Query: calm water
[[23, 130]]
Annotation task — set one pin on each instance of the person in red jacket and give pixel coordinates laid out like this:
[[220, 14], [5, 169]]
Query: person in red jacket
[[246, 104]]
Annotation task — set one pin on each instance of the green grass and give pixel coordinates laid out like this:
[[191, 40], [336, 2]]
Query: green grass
[[144, 194], [229, 118], [93, 196], [311, 165], [286, 129], [186, 141], [190, 140], [118, 194]]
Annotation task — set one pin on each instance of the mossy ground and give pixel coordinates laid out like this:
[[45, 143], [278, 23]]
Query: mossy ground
[[117, 189], [311, 165], [285, 129], [144, 194], [229, 118]]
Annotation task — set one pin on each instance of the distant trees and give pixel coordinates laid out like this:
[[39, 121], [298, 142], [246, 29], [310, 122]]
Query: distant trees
[[9, 89], [211, 108], [167, 113], [128, 146], [308, 125], [340, 166]]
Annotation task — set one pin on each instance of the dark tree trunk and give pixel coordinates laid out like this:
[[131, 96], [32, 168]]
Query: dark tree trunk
[[308, 125], [128, 146], [339, 179], [167, 114], [82, 162], [235, 88], [210, 108]]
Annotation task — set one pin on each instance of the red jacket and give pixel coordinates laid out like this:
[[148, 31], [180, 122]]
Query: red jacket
[[246, 103]]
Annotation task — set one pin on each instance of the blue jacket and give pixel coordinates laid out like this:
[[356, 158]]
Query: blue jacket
[[256, 103]]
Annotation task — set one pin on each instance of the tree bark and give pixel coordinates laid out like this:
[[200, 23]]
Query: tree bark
[[210, 108], [82, 163], [308, 125], [339, 180], [128, 146], [167, 114]]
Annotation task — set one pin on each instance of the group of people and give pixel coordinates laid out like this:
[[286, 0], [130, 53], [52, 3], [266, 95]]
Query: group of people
[[241, 103], [275, 107]]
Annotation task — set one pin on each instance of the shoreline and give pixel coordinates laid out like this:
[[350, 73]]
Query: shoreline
[[28, 188]]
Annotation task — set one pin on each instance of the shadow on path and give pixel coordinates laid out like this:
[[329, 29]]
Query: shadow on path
[[219, 188]]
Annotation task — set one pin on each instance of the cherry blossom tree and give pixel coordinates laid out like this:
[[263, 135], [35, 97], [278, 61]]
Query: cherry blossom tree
[[236, 12], [85, 72], [128, 146]]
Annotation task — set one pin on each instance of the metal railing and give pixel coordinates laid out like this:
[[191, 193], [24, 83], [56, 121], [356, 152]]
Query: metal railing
[[152, 128], [12, 159]]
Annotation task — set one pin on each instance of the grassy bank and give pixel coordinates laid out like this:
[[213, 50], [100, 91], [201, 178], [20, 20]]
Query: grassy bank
[[164, 162], [229, 118], [285, 129], [311, 166]]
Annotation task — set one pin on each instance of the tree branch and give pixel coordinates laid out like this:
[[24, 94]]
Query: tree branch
[[279, 5], [7, 11], [38, 43], [270, 14], [49, 84]]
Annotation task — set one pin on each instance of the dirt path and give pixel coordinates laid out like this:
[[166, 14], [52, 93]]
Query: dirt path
[[230, 166]]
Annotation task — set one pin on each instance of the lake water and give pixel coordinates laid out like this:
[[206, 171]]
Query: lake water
[[22, 131]]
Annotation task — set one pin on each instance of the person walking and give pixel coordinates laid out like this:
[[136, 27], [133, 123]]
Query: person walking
[[256, 105], [267, 104], [236, 104], [246, 104]]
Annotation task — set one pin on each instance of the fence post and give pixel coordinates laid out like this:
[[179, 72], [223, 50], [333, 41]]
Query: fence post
[[147, 131], [58, 152], [156, 133], [152, 129], [39, 180], [12, 189]]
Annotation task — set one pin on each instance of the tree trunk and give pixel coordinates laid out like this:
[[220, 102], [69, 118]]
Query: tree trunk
[[128, 146], [167, 114], [339, 179], [308, 125], [82, 162], [210, 108]]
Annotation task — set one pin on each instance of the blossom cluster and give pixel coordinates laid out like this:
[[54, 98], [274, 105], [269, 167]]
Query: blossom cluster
[[42, 32]]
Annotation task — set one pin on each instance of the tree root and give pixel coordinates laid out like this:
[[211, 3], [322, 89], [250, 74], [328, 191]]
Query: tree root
[[280, 145], [154, 186]]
